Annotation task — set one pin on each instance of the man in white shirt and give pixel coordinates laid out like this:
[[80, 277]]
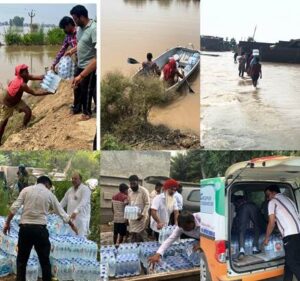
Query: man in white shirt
[[36, 201], [188, 224], [179, 198], [78, 202], [283, 211], [163, 206], [156, 191]]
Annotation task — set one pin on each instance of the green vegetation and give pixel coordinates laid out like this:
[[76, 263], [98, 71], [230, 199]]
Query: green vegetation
[[125, 107], [16, 21], [85, 162], [37, 36]]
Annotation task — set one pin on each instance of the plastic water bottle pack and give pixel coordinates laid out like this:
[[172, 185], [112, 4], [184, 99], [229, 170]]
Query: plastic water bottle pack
[[128, 248], [132, 212], [50, 82], [5, 265], [193, 257], [66, 68], [165, 232], [85, 270], [65, 250], [104, 272], [127, 265]]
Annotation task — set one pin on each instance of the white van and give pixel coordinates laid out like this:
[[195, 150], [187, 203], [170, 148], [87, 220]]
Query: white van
[[248, 179]]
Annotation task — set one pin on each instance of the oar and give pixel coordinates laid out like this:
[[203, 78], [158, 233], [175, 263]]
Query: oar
[[132, 61], [190, 89]]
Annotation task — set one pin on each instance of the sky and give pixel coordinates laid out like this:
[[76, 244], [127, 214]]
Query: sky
[[45, 13], [275, 19]]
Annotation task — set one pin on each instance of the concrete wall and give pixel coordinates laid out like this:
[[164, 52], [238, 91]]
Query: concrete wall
[[143, 164], [117, 166]]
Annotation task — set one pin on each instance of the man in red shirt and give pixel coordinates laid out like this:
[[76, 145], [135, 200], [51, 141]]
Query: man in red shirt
[[11, 97], [119, 201]]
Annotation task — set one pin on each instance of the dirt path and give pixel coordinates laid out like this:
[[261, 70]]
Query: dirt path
[[53, 127]]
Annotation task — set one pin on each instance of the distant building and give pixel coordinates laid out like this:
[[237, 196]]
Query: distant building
[[212, 43]]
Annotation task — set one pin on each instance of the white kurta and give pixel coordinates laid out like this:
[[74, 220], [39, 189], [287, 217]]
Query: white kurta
[[159, 204], [79, 202]]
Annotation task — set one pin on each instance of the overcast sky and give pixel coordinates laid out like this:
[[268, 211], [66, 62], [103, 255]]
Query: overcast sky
[[275, 19], [45, 13]]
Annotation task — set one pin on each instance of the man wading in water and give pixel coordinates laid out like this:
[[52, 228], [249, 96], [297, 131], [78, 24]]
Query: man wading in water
[[11, 98]]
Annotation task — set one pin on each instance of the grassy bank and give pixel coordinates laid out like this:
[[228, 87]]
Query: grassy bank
[[53, 36], [125, 107]]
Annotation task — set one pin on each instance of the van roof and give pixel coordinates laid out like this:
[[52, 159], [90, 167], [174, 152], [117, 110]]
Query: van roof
[[272, 168]]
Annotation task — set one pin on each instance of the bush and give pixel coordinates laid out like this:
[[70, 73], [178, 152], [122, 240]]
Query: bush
[[55, 36], [61, 188], [12, 38], [122, 98], [109, 142]]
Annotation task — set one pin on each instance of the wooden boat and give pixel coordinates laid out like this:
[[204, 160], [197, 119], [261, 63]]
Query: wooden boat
[[184, 58]]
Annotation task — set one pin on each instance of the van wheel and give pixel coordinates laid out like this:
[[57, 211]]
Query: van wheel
[[204, 270]]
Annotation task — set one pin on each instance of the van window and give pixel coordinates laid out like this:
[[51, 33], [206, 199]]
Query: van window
[[194, 196]]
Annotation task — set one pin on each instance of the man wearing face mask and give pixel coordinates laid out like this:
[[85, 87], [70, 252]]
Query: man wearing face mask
[[68, 26], [78, 202], [163, 206], [188, 224], [138, 196]]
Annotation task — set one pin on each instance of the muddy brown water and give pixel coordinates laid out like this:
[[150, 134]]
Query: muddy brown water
[[133, 28], [235, 115]]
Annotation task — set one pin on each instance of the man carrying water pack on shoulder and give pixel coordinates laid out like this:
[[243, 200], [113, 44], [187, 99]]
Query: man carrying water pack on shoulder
[[11, 98]]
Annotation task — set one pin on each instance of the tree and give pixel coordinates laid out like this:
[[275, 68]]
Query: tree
[[17, 21]]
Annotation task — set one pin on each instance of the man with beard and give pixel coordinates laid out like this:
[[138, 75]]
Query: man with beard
[[163, 206], [68, 26], [77, 200], [85, 75], [139, 197]]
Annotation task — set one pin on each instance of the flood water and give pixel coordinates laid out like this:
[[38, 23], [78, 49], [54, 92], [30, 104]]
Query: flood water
[[236, 116], [36, 57], [132, 28]]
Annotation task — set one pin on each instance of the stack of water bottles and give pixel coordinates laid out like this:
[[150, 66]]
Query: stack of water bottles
[[66, 68], [193, 256], [104, 276], [127, 259], [273, 250], [5, 264], [50, 82], [66, 248], [132, 212], [191, 62], [165, 232]]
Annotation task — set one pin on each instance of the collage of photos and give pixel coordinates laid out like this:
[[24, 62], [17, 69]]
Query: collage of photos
[[149, 140]]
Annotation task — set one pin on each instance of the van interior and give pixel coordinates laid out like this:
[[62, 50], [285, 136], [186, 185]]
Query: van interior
[[254, 192]]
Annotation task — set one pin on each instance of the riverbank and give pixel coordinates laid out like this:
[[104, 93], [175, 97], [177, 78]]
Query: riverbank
[[53, 127]]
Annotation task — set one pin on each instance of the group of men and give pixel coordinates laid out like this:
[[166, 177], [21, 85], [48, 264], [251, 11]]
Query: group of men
[[281, 211], [163, 202], [170, 72], [37, 201], [80, 41], [251, 65]]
